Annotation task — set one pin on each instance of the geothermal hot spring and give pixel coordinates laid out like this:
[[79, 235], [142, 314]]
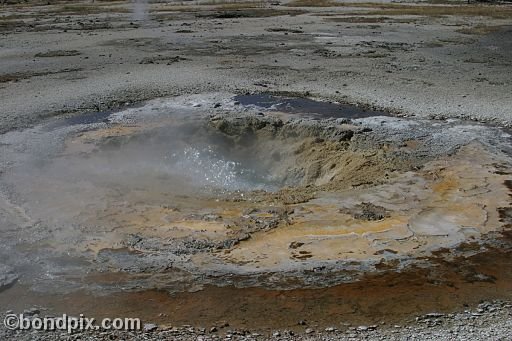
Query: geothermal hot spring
[[257, 210]]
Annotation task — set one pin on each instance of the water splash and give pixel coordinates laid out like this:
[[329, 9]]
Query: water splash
[[206, 168]]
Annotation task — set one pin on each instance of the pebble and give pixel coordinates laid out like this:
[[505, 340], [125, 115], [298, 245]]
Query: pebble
[[496, 325], [431, 315], [149, 327], [31, 312]]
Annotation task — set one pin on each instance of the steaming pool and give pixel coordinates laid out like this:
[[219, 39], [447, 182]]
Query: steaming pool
[[224, 196]]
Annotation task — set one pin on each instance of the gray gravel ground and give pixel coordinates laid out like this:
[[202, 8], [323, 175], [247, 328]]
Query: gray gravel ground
[[490, 321], [55, 63]]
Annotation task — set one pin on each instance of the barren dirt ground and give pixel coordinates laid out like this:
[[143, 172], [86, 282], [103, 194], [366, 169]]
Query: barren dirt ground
[[420, 209], [415, 59]]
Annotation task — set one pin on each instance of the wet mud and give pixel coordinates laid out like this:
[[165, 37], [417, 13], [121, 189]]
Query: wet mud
[[391, 298]]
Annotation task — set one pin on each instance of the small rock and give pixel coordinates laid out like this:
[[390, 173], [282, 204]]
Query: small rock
[[309, 331], [7, 276], [149, 327], [213, 329], [434, 315], [31, 312], [330, 329], [295, 245], [211, 217]]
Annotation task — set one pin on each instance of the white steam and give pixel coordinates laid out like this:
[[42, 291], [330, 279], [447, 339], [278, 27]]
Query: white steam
[[140, 10]]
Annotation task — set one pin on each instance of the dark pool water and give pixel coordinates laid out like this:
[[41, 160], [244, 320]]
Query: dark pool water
[[297, 105]]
